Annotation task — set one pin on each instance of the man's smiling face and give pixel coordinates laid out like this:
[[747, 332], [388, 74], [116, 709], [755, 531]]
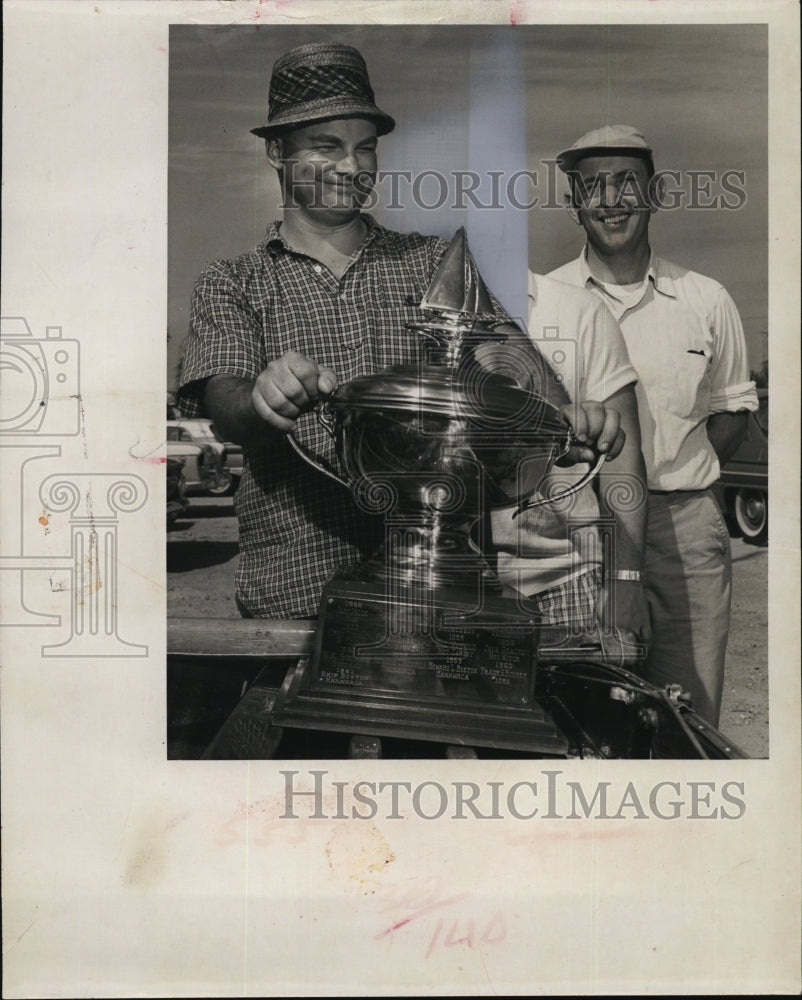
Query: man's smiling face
[[611, 200], [328, 167]]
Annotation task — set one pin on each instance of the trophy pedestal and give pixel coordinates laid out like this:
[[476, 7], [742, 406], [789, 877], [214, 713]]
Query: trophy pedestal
[[421, 664]]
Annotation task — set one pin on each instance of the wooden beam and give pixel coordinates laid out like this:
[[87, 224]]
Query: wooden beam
[[259, 638]]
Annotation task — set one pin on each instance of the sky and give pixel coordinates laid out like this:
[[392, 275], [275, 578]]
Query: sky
[[489, 100]]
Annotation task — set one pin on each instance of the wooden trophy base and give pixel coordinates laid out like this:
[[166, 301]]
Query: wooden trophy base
[[421, 665]]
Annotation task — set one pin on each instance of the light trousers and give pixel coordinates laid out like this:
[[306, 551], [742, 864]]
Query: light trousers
[[689, 589]]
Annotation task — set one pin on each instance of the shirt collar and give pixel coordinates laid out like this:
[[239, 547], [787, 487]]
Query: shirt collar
[[661, 278], [275, 242], [655, 272]]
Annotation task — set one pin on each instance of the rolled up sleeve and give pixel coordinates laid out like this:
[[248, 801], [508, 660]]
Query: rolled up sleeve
[[731, 387]]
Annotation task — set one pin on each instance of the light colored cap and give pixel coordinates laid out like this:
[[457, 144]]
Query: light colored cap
[[609, 140]]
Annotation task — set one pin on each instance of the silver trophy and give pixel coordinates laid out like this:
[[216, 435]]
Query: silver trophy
[[418, 641]]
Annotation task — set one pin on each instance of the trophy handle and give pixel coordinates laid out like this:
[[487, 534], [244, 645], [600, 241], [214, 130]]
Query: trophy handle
[[326, 419], [529, 504]]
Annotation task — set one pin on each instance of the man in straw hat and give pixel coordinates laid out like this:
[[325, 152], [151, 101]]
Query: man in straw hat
[[686, 342], [326, 296]]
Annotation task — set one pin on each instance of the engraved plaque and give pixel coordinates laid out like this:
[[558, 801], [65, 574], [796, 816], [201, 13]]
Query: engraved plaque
[[438, 649], [421, 664]]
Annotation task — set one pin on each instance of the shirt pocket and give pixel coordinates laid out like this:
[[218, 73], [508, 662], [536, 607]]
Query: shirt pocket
[[685, 385], [331, 332]]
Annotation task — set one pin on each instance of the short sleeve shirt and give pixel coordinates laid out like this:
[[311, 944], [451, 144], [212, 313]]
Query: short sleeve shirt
[[297, 525], [581, 341], [686, 342]]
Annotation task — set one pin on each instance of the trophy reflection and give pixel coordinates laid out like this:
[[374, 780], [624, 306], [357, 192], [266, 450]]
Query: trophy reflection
[[418, 641]]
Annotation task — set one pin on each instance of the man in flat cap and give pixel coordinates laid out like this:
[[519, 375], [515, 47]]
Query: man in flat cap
[[326, 297], [686, 342]]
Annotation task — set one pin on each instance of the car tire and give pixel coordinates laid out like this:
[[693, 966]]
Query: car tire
[[752, 515], [219, 491]]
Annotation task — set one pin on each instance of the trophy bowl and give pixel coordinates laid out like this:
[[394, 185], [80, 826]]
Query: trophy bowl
[[424, 426], [434, 448]]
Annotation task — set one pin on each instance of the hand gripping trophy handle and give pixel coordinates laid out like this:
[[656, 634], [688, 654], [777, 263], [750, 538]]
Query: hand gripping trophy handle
[[530, 504], [327, 420]]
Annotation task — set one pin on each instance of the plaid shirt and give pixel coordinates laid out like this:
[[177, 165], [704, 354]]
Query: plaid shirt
[[296, 525]]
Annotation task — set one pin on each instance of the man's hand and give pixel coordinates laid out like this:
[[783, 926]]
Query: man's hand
[[597, 428], [288, 387]]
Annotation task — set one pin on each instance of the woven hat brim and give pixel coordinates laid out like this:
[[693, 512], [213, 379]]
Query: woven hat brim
[[317, 111]]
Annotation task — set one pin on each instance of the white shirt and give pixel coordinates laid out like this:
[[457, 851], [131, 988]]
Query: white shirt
[[687, 344], [581, 340]]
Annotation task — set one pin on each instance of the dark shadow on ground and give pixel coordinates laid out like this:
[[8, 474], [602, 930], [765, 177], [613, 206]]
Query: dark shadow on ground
[[198, 511], [180, 524], [184, 556], [200, 697]]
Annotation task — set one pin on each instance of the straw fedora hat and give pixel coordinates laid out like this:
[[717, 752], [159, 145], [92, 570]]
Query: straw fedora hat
[[316, 82]]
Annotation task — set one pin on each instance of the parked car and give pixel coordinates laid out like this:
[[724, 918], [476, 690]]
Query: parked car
[[233, 463], [743, 489], [201, 469], [177, 502], [198, 431]]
